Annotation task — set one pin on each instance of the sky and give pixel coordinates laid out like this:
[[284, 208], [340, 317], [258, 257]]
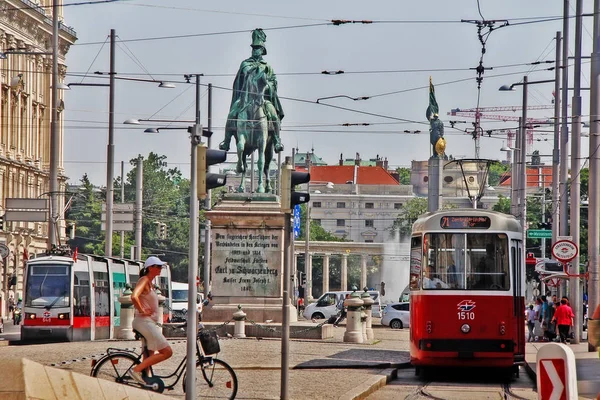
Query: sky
[[389, 61]]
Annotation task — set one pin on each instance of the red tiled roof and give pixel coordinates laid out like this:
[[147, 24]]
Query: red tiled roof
[[535, 177], [341, 174]]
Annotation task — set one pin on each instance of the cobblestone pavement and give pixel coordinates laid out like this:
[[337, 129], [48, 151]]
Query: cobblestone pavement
[[257, 362]]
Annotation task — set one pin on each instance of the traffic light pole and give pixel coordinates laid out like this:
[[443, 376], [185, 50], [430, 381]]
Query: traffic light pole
[[285, 319]]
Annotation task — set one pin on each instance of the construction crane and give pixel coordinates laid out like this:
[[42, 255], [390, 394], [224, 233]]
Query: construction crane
[[480, 113]]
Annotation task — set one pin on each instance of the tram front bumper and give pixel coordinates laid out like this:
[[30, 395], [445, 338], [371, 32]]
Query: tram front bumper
[[54, 333]]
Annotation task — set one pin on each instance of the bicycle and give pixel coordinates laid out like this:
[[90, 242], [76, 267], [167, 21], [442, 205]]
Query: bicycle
[[215, 378]]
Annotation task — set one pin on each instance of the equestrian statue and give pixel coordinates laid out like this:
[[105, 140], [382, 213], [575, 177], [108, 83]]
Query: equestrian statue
[[436, 126], [255, 114]]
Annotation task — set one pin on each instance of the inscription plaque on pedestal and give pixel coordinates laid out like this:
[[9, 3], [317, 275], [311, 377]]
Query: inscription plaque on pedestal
[[247, 262]]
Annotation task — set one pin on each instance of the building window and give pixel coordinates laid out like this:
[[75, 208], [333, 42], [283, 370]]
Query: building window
[[369, 223], [316, 204], [341, 204], [368, 240], [369, 205], [397, 206], [341, 222], [317, 222]]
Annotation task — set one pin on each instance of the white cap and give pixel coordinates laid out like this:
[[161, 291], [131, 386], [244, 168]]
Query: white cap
[[152, 260]]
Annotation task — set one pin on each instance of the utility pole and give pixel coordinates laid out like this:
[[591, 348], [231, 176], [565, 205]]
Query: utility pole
[[208, 203], [576, 298], [139, 194], [192, 328], [307, 256], [564, 134], [594, 177], [54, 139], [122, 244], [556, 149], [110, 150]]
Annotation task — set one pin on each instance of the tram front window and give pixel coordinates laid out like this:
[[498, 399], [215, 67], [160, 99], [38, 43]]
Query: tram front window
[[471, 261], [48, 286]]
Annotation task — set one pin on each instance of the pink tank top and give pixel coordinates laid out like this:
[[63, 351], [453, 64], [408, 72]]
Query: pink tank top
[[149, 301]]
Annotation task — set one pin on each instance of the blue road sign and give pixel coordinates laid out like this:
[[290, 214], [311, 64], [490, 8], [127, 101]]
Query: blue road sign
[[296, 221]]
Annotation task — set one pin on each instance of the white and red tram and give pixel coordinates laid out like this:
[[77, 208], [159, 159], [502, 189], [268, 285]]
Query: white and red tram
[[67, 299], [467, 282]]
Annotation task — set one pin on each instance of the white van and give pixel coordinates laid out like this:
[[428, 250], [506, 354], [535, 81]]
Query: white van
[[326, 305], [179, 297]]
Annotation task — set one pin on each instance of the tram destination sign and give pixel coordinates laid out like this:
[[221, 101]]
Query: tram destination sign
[[465, 222], [539, 234]]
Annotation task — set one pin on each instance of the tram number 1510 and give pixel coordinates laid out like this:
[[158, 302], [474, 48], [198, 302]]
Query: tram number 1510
[[466, 315]]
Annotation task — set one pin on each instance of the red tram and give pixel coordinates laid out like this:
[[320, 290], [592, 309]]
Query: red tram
[[467, 281]]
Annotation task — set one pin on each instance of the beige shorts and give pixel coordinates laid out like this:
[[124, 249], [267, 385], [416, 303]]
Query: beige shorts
[[151, 332]]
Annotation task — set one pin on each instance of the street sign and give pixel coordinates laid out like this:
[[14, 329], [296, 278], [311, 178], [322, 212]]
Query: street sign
[[557, 375], [4, 250], [539, 234], [296, 221], [564, 250], [553, 282], [553, 373]]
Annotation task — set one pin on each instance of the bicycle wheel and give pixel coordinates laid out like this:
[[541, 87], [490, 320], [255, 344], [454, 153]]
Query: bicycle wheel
[[215, 379], [114, 367]]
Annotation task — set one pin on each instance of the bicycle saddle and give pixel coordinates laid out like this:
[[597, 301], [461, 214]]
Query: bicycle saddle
[[138, 335]]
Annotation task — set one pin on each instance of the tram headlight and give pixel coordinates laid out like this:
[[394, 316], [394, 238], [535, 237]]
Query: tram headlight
[[466, 328], [63, 316]]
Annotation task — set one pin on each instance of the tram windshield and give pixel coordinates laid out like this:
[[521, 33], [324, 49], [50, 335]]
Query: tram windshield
[[467, 261], [48, 286]]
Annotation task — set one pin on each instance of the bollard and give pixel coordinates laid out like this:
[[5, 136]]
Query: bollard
[[127, 310], [354, 332], [368, 306], [239, 330]]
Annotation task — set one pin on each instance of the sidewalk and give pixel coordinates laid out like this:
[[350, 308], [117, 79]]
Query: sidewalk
[[587, 364]]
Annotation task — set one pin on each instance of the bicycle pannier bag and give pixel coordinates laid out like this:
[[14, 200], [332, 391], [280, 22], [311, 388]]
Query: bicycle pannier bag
[[210, 342]]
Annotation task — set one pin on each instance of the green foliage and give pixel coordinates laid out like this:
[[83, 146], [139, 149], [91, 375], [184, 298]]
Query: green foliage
[[496, 172], [166, 199], [317, 232], [410, 211], [503, 205], [404, 175]]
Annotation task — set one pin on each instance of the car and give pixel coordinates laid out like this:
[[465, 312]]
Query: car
[[396, 315], [326, 305]]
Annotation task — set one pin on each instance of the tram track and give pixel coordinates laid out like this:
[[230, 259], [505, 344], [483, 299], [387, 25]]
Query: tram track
[[425, 391]]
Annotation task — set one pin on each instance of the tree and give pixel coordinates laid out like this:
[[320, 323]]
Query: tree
[[84, 212], [403, 175], [497, 170], [410, 211]]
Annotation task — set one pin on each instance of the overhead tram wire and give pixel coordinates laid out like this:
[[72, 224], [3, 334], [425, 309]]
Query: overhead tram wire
[[333, 22]]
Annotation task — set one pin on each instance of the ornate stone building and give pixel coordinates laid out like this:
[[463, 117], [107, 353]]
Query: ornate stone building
[[25, 114]]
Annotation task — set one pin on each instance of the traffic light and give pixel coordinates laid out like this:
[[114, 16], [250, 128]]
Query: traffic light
[[70, 231], [289, 180], [161, 230], [546, 225], [206, 180], [1, 222]]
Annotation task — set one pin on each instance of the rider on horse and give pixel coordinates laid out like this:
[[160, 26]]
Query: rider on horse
[[255, 85]]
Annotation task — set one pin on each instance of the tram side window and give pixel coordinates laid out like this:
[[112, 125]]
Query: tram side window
[[439, 271], [81, 294], [416, 255], [489, 261], [101, 293]]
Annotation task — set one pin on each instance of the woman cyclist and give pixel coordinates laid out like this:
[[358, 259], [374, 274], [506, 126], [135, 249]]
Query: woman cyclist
[[145, 301]]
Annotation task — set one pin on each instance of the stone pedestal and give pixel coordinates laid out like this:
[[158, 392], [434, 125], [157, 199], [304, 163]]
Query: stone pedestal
[[368, 310], [240, 323], [434, 185], [125, 330], [354, 332], [247, 258]]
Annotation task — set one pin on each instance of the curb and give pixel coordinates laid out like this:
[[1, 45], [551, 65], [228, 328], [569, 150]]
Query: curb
[[530, 372], [371, 385], [358, 365]]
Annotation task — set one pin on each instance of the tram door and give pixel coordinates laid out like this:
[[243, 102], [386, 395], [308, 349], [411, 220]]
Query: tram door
[[102, 301], [518, 269]]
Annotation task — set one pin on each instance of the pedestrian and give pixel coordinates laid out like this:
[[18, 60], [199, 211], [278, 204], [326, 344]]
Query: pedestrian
[[343, 310], [563, 316], [11, 303], [531, 323]]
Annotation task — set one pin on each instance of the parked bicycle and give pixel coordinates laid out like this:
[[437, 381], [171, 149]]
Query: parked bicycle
[[215, 379]]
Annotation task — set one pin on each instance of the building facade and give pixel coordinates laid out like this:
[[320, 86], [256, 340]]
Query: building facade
[[25, 116]]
